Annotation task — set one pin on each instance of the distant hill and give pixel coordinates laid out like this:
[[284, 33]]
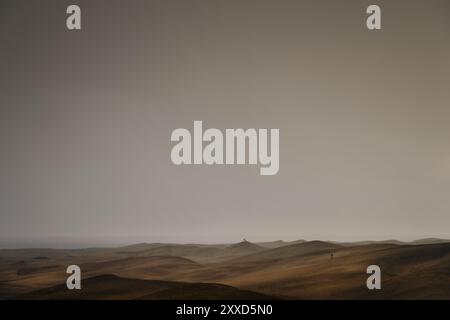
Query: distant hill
[[182, 250], [430, 241], [242, 248], [303, 270], [107, 287], [140, 246], [409, 271], [396, 242], [201, 253], [369, 242], [278, 243], [294, 250]]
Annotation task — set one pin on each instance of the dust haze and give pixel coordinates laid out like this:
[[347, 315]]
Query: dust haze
[[86, 117]]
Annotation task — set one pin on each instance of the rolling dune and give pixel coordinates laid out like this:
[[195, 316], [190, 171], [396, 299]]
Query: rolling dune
[[299, 270]]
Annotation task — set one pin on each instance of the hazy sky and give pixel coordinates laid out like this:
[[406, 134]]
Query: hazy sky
[[86, 118]]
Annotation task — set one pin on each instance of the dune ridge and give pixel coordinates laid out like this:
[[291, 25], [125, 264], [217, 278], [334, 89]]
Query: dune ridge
[[285, 270]]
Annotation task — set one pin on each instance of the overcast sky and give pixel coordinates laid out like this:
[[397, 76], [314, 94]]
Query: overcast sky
[[86, 118]]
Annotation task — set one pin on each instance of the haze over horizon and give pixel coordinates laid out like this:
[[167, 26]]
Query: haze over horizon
[[103, 242], [86, 119]]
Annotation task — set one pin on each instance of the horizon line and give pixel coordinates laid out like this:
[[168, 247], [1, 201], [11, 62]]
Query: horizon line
[[8, 243]]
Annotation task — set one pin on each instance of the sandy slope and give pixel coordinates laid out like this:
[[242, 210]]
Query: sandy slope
[[303, 270], [110, 287]]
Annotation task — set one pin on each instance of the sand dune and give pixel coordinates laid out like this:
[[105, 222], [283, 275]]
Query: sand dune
[[278, 243], [415, 242], [430, 241], [201, 253], [408, 272], [303, 270], [284, 252], [107, 287]]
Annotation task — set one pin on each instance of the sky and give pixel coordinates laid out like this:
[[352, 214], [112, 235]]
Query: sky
[[86, 119]]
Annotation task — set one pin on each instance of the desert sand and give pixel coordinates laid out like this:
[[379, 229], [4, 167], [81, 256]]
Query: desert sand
[[270, 270]]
